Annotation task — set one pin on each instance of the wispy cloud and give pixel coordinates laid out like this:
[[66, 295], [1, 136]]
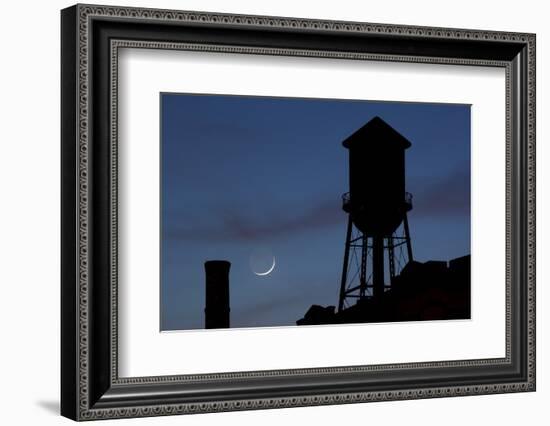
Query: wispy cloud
[[238, 226], [432, 198], [449, 196]]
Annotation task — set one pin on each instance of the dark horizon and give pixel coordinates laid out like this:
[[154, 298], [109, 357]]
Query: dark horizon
[[277, 169]]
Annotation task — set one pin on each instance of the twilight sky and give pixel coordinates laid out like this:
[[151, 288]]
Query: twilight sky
[[242, 176]]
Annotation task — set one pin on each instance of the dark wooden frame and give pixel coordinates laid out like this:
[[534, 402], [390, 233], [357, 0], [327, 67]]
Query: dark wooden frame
[[90, 386]]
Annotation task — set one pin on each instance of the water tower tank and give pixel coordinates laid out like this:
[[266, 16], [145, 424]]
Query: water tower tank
[[376, 200]]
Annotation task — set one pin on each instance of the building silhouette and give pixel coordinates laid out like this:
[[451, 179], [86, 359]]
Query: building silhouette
[[434, 290], [216, 311]]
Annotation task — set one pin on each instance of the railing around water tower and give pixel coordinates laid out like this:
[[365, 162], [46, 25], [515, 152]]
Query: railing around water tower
[[408, 201], [347, 204]]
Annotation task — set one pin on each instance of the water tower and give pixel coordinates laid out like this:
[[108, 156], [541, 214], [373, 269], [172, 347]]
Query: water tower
[[377, 237]]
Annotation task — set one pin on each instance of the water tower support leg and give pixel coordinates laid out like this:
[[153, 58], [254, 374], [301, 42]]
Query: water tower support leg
[[363, 271], [391, 255], [408, 238], [345, 268], [377, 266]]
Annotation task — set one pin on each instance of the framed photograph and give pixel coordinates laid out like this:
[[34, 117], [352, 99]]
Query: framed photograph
[[263, 212]]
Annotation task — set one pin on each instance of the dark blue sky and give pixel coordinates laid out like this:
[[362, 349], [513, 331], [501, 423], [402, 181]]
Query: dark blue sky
[[240, 174]]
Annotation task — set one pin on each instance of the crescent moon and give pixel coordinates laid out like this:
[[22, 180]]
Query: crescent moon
[[261, 274]]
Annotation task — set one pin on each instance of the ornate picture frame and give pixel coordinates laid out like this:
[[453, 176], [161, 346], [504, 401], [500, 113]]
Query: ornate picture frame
[[91, 37]]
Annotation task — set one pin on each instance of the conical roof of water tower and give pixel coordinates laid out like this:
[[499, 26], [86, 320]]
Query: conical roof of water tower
[[379, 131]]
